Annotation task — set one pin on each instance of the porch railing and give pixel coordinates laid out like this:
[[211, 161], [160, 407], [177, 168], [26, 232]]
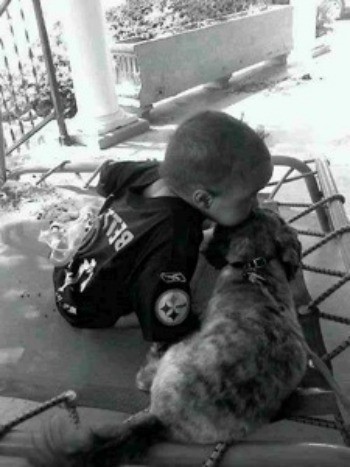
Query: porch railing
[[29, 94]]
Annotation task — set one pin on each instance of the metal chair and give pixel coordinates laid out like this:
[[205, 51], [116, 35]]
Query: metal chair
[[314, 399]]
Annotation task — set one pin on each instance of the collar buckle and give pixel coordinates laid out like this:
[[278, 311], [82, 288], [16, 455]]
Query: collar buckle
[[254, 278], [257, 263], [250, 271]]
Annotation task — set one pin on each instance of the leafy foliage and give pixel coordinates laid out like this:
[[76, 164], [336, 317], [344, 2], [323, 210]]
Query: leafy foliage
[[147, 19]]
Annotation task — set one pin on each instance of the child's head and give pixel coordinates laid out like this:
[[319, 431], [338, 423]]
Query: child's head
[[218, 164]]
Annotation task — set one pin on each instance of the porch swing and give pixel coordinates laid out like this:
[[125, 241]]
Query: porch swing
[[325, 234]]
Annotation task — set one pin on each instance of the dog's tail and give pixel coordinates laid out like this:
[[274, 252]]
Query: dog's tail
[[130, 441]]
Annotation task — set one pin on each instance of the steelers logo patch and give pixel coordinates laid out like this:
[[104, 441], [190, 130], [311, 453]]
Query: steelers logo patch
[[172, 307]]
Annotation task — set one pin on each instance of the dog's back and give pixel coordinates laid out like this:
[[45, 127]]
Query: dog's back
[[232, 376]]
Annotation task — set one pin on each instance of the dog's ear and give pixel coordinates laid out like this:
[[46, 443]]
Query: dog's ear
[[288, 248]]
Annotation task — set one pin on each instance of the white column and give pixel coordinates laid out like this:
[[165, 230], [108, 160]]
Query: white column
[[91, 62], [304, 29]]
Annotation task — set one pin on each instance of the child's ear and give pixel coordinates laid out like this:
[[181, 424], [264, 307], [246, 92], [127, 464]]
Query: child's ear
[[202, 199]]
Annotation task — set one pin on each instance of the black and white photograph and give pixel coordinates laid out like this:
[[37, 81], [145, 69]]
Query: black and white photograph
[[174, 233]]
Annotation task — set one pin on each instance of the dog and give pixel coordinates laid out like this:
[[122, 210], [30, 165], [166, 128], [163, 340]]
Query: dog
[[230, 377]]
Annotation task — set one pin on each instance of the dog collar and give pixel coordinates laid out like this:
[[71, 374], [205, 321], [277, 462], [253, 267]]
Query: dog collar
[[250, 270], [254, 264]]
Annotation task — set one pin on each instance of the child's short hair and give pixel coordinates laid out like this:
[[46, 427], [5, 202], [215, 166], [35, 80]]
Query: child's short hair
[[210, 149]]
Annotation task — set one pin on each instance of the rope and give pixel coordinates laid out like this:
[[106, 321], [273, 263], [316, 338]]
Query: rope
[[69, 400], [51, 171], [216, 455], [214, 458], [338, 350], [337, 319], [297, 177], [313, 233], [326, 239], [328, 272], [329, 291], [294, 205], [94, 174], [313, 421], [344, 430], [280, 183], [314, 206]]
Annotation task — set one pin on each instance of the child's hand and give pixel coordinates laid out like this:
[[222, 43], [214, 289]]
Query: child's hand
[[65, 239]]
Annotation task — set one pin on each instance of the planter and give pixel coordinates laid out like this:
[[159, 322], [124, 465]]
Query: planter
[[163, 67]]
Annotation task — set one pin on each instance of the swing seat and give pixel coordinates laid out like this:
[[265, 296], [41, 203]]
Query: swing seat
[[100, 365]]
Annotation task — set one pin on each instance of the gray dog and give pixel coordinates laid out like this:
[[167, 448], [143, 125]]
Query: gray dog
[[229, 378]]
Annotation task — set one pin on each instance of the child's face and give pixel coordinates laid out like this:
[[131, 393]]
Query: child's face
[[235, 204]]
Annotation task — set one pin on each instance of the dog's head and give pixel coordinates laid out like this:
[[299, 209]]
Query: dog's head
[[264, 234]]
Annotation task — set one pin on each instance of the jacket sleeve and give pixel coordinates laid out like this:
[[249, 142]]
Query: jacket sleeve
[[118, 176], [161, 294], [110, 178]]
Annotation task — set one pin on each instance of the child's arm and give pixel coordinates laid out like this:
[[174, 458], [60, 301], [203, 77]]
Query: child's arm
[[162, 302], [161, 293]]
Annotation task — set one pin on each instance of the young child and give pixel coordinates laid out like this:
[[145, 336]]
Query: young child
[[141, 252]]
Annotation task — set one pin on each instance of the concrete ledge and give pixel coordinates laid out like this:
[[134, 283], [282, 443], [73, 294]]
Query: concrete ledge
[[174, 64], [112, 137]]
